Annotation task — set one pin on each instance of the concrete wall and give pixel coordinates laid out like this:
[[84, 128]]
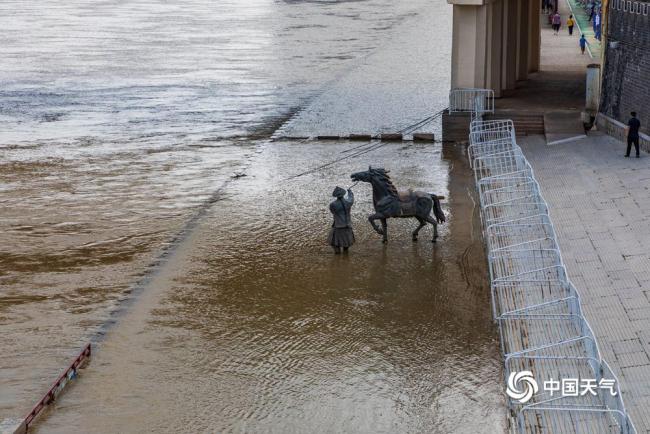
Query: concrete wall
[[494, 43], [626, 74], [469, 46]]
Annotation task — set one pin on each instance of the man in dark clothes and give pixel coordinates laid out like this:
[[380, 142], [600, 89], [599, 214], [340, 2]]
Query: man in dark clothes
[[341, 235], [633, 134]]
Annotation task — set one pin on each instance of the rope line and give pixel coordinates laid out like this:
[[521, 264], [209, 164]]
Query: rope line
[[323, 166], [409, 129], [368, 147]]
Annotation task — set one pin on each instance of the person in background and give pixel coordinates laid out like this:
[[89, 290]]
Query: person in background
[[556, 21], [633, 126], [570, 23], [583, 43]]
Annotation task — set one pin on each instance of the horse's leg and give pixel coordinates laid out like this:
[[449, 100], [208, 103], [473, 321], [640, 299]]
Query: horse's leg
[[422, 224], [435, 227], [372, 218], [384, 226]]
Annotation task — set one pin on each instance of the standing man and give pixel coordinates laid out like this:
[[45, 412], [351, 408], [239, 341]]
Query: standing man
[[570, 23], [633, 126], [341, 235]]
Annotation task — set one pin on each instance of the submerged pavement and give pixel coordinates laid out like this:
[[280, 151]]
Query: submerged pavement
[[144, 113], [389, 90], [248, 322], [253, 325], [600, 204]]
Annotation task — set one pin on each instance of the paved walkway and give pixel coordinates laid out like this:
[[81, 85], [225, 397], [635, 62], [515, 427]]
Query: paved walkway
[[584, 26], [600, 206], [560, 82]]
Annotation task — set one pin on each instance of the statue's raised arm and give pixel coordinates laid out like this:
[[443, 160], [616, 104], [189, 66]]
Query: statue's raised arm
[[350, 198]]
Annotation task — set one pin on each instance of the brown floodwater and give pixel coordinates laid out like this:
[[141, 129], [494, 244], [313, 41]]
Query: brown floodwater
[[211, 298], [120, 122], [252, 324]]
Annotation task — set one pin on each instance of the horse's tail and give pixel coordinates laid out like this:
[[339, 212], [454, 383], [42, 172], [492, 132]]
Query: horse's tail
[[437, 209]]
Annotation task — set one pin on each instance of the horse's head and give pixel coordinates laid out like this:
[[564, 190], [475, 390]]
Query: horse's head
[[382, 186], [368, 175], [361, 176]]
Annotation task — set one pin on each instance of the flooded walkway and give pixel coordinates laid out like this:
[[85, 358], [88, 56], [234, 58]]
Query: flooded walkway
[[255, 325], [161, 223], [119, 122], [389, 90]]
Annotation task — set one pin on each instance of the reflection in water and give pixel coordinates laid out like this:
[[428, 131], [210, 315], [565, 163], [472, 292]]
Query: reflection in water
[[255, 325]]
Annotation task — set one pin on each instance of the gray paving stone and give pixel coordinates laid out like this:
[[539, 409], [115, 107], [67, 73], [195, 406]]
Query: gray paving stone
[[600, 206], [637, 303], [625, 347], [623, 279], [630, 293], [639, 264], [639, 358]]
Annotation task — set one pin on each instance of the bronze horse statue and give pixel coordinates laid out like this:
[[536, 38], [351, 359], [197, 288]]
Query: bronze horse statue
[[389, 203]]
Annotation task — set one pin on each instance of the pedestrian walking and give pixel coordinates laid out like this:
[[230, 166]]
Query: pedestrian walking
[[570, 23], [556, 21], [633, 126], [583, 43], [341, 235]]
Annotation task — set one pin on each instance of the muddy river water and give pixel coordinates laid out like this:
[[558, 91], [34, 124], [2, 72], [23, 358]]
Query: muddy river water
[[214, 303]]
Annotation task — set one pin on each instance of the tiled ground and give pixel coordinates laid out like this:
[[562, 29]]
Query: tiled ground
[[600, 206]]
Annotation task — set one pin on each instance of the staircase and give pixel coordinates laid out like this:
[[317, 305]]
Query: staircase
[[526, 123], [455, 126]]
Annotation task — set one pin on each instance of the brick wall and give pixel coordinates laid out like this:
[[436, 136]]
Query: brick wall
[[626, 75]]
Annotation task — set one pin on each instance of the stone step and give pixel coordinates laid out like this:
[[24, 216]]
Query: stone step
[[456, 126], [525, 123]]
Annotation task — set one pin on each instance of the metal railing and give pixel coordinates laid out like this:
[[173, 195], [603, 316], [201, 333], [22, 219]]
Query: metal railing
[[535, 305], [473, 101]]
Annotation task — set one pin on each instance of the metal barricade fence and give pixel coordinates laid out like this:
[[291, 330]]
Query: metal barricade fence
[[473, 101], [535, 305]]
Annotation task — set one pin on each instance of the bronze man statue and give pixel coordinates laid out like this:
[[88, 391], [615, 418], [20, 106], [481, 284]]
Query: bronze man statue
[[341, 235]]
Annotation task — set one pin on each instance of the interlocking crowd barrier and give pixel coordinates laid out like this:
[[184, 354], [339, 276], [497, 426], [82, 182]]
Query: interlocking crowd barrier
[[535, 305]]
